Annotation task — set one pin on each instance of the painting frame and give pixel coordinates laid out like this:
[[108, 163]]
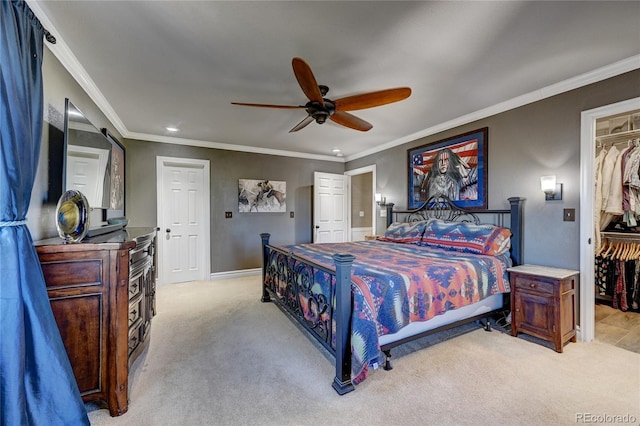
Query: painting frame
[[117, 202], [262, 196], [462, 175]]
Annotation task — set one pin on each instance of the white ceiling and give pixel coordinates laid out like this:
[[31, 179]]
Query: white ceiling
[[153, 64]]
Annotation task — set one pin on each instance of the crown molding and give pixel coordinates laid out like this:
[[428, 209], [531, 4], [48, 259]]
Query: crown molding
[[68, 60], [230, 147]]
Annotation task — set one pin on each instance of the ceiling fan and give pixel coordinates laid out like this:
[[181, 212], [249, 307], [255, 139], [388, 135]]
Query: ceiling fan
[[320, 108]]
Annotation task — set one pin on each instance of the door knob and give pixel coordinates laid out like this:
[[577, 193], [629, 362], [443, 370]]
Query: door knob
[[168, 230]]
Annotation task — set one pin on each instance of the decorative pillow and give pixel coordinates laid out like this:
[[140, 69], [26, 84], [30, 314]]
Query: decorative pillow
[[399, 232], [467, 237]]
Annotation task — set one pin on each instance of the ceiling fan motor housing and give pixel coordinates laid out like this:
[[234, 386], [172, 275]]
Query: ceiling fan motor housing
[[320, 112]]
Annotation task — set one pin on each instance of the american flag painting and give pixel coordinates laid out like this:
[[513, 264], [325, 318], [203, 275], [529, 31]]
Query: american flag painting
[[460, 171]]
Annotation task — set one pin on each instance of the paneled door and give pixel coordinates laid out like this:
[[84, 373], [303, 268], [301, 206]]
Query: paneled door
[[183, 218], [330, 208]]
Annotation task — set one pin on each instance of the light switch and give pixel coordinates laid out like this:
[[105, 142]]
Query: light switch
[[361, 214], [569, 215]]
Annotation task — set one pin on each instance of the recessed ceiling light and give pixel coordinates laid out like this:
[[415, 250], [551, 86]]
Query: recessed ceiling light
[[171, 129], [336, 150]]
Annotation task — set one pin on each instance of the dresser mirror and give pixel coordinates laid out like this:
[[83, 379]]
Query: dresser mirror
[[94, 162]]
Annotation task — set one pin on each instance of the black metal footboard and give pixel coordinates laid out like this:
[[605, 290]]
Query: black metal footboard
[[289, 281]]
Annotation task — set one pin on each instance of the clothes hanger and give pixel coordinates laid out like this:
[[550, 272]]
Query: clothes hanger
[[603, 247]]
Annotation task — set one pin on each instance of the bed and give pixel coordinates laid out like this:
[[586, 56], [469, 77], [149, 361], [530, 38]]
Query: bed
[[436, 267]]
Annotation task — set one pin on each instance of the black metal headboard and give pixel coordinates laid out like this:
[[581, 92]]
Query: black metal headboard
[[441, 207], [437, 207]]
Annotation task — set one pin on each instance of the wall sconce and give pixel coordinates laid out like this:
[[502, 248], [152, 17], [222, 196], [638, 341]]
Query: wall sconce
[[551, 189], [380, 200]]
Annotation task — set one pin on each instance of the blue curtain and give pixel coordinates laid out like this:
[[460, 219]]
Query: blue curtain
[[37, 386]]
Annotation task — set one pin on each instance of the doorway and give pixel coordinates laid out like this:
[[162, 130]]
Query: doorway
[[362, 211], [183, 205], [586, 330]]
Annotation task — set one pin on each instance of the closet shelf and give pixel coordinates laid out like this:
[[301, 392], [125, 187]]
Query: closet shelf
[[619, 137], [621, 236]]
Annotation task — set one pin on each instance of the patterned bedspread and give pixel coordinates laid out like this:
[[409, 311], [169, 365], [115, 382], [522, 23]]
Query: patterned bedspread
[[394, 284]]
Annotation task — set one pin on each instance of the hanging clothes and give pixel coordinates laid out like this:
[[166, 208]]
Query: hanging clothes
[[613, 206], [598, 196], [608, 171], [617, 273]]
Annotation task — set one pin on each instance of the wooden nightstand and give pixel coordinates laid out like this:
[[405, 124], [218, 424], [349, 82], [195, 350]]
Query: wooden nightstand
[[543, 303]]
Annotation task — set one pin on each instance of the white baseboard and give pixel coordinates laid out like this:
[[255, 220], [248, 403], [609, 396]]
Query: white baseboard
[[235, 274]]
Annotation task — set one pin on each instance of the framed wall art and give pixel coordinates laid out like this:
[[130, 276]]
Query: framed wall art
[[262, 195], [455, 167]]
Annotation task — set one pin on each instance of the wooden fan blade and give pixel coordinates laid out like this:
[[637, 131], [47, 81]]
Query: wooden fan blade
[[372, 99], [301, 125], [350, 120], [306, 80], [270, 106]]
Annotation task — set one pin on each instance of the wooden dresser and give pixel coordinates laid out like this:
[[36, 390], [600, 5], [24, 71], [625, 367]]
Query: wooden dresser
[[543, 303], [102, 293]]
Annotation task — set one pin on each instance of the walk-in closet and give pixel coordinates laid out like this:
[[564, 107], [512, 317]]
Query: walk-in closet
[[617, 226]]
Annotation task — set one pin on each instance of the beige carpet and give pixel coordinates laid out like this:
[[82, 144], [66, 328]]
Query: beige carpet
[[218, 356]]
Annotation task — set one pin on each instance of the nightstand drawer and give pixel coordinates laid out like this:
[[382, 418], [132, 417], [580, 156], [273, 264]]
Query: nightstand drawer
[[526, 283]]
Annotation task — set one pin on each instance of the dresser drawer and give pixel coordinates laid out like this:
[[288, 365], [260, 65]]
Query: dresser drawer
[[73, 273], [526, 283], [135, 311], [135, 337], [135, 288]]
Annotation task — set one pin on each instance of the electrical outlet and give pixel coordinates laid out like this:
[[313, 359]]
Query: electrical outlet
[[569, 215], [361, 214], [228, 215]]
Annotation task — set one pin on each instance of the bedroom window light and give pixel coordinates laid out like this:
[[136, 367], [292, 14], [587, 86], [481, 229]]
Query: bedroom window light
[[551, 189]]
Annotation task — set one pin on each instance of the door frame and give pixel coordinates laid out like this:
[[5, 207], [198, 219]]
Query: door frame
[[161, 162], [586, 330], [360, 171]]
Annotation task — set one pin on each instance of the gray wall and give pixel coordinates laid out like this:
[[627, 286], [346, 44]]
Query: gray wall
[[542, 138], [525, 143], [235, 242]]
